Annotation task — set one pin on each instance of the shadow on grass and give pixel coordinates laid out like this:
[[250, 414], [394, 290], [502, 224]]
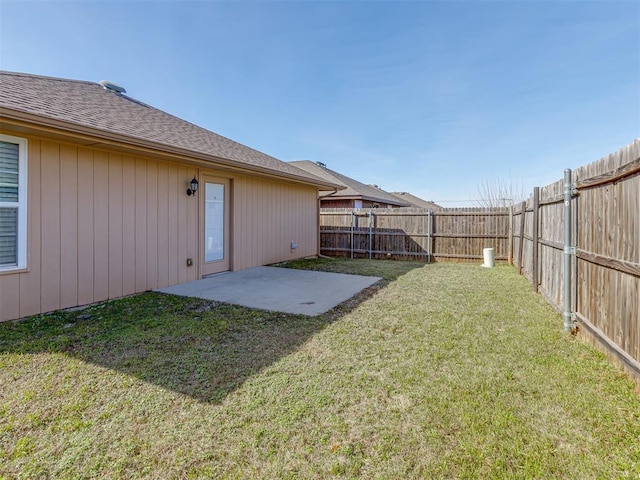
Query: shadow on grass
[[196, 347]]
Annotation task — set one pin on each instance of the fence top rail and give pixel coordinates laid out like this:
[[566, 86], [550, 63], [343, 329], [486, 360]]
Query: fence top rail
[[501, 213], [438, 213], [462, 214], [627, 170], [376, 214], [405, 211]]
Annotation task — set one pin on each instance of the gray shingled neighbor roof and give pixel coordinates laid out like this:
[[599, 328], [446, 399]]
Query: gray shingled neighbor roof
[[354, 189], [415, 201], [90, 106]]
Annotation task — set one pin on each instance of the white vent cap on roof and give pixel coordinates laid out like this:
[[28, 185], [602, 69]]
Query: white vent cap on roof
[[112, 86]]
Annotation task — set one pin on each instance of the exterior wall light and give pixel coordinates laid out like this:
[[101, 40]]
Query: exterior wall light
[[194, 187]]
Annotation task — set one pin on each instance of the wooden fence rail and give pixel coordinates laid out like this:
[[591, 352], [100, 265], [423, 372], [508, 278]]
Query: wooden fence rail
[[605, 264]]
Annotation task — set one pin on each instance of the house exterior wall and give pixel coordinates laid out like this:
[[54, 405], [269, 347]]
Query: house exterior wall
[[268, 216], [351, 203], [103, 224]]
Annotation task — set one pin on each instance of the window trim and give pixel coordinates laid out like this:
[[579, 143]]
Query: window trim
[[23, 146]]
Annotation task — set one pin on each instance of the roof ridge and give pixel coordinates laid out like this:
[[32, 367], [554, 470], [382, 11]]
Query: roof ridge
[[46, 77], [85, 82]]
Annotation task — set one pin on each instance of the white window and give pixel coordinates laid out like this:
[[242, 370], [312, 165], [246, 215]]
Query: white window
[[13, 203]]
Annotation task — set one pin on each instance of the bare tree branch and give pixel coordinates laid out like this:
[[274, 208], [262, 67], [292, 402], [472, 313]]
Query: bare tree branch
[[497, 192]]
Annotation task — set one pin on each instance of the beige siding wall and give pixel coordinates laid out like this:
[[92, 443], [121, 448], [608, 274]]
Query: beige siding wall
[[267, 217], [103, 225]]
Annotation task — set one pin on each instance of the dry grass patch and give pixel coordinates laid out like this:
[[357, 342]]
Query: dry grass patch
[[442, 371]]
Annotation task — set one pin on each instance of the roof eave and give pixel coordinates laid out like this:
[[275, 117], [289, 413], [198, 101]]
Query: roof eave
[[98, 137]]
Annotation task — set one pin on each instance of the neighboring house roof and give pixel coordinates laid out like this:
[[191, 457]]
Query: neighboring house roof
[[89, 108], [353, 188], [415, 201]]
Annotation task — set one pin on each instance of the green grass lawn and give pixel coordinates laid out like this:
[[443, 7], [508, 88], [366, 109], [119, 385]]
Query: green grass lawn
[[439, 371]]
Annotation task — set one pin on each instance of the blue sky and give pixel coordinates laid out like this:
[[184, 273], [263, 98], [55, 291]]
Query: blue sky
[[433, 98]]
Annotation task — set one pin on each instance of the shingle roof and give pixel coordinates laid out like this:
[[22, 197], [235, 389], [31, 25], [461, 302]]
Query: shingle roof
[[89, 105], [354, 188], [415, 201]]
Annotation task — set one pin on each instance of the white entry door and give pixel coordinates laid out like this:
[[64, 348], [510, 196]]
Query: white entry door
[[215, 225]]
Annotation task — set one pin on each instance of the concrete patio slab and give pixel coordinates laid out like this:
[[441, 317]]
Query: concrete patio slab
[[287, 290]]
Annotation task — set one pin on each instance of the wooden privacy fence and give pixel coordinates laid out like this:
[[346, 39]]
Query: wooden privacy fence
[[414, 233], [604, 251]]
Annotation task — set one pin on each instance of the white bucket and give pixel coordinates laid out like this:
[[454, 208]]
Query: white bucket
[[489, 257]]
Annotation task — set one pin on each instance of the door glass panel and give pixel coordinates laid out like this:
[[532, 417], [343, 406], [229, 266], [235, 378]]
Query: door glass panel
[[214, 222]]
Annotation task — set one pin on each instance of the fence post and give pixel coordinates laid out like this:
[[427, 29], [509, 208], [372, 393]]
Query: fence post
[[534, 252], [575, 218], [568, 251], [353, 216], [319, 215], [432, 231], [523, 217], [370, 233], [429, 236], [510, 235]]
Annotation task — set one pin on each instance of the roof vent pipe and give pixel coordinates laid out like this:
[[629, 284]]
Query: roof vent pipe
[[112, 87]]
